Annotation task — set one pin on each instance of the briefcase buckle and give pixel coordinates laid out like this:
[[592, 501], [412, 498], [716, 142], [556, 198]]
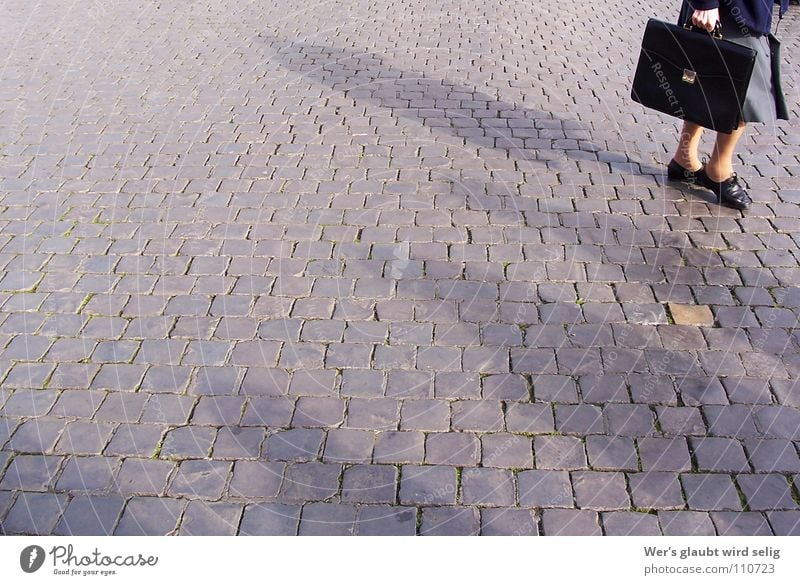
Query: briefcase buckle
[[689, 76]]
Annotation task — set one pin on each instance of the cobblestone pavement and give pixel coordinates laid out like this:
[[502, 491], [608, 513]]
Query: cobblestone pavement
[[385, 267]]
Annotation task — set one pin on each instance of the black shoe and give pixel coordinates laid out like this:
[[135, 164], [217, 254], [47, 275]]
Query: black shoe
[[729, 191], [676, 172]]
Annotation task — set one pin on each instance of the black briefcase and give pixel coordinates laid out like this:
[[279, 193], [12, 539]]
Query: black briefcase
[[693, 75]]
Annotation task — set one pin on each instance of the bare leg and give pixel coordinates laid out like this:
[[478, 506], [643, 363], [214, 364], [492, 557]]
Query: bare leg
[[718, 174], [720, 167], [686, 154]]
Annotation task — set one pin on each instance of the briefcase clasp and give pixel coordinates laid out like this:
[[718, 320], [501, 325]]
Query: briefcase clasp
[[689, 76]]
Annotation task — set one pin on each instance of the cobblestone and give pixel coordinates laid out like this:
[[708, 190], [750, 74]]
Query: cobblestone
[[459, 449], [320, 518], [90, 516], [310, 482], [710, 492], [570, 523], [686, 523], [784, 523], [87, 474], [150, 516], [387, 521], [35, 514], [200, 479], [630, 524], [315, 285], [767, 492], [508, 522], [270, 520], [612, 453], [450, 521], [143, 476], [210, 518], [555, 452], [741, 524]]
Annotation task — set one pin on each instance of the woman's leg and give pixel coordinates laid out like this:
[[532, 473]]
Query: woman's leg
[[720, 167], [718, 175], [686, 155]]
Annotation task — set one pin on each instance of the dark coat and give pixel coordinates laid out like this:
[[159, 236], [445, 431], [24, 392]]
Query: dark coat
[[756, 15]]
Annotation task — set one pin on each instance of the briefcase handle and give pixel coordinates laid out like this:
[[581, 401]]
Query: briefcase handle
[[716, 33]]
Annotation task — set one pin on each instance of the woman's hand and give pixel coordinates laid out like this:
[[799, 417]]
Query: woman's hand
[[706, 19]]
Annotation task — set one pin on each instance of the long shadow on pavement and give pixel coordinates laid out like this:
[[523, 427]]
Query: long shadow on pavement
[[480, 119]]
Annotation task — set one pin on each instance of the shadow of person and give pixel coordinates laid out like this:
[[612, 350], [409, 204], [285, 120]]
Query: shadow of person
[[536, 140]]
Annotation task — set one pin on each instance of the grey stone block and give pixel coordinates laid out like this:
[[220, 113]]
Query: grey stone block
[[140, 440], [35, 514], [529, 418], [600, 490], [508, 522], [741, 524], [310, 482], [218, 410], [270, 520], [579, 419], [37, 435], [256, 479], [630, 524], [200, 479], [545, 489], [772, 455], [718, 454], [686, 523], [487, 487], [450, 521], [784, 523], [612, 453], [268, 412], [91, 516], [387, 521], [188, 442], [150, 516], [399, 447], [210, 519], [428, 485], [31, 473], [318, 412], [322, 519], [459, 449], [478, 416], [370, 484], [506, 450], [143, 476], [238, 443], [664, 454], [294, 445], [425, 415], [349, 446], [555, 452], [87, 474], [656, 490], [570, 523], [710, 492], [767, 492]]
